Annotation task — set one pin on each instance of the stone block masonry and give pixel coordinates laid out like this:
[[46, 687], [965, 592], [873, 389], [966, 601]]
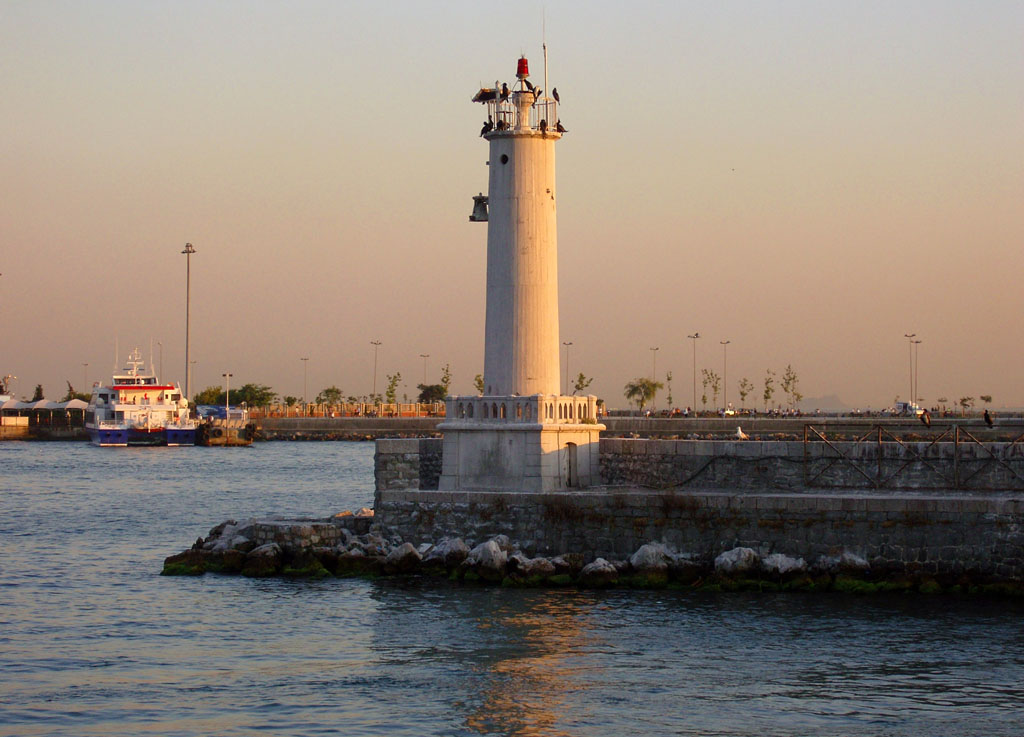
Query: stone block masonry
[[759, 466], [706, 497], [982, 537]]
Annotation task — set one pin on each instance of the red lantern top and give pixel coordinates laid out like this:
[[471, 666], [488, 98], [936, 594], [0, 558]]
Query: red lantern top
[[523, 70]]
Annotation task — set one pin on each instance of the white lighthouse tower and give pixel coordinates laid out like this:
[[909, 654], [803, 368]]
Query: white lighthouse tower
[[521, 434]]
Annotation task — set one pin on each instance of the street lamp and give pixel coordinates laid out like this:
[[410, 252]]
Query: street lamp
[[227, 395], [305, 374], [910, 352], [565, 391], [694, 338], [917, 386], [654, 370], [725, 373], [424, 356], [189, 250], [376, 344]]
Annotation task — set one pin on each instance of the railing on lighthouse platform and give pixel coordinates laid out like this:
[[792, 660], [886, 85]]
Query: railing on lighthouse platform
[[504, 105]]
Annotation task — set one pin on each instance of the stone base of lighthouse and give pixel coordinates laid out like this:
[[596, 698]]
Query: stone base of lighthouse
[[514, 443]]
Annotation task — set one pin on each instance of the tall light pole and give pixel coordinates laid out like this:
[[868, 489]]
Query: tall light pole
[[305, 374], [917, 386], [424, 356], [85, 376], [694, 338], [376, 345], [654, 370], [188, 376], [227, 394], [565, 391], [189, 250], [160, 346], [910, 353], [725, 373]]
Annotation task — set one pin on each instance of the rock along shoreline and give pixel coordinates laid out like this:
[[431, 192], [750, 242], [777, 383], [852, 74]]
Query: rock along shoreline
[[348, 545]]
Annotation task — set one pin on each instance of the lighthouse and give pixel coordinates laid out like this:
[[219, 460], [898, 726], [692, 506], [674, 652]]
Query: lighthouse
[[521, 433]]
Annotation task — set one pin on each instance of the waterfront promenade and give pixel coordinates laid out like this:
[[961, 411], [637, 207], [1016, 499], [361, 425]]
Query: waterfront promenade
[[350, 428]]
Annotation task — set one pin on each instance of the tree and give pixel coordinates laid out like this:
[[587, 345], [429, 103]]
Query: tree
[[38, 394], [392, 389], [291, 401], [705, 381], [582, 382], [431, 393], [668, 383], [769, 387], [330, 395], [209, 395], [72, 394], [716, 386], [789, 385], [642, 391], [254, 395], [446, 378], [986, 398], [942, 402], [745, 388], [966, 403], [478, 382]]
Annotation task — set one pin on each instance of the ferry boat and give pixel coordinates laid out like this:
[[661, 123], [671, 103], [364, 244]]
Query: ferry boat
[[136, 409]]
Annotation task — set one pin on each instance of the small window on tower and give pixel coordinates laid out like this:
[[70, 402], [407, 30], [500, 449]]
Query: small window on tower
[[504, 158]]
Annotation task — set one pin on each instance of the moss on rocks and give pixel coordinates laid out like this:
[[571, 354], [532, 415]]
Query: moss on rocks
[[187, 563]]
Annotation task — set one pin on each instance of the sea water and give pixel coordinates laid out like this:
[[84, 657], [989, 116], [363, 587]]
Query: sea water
[[93, 641]]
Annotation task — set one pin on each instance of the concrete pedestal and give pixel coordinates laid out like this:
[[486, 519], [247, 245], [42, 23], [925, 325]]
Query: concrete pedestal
[[513, 443]]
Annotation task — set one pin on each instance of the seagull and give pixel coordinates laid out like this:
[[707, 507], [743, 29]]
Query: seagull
[[988, 419], [554, 94], [926, 418], [559, 128], [504, 92], [740, 435]]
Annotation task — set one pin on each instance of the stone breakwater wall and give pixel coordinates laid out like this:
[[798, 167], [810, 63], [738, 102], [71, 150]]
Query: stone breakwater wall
[[796, 465], [706, 540], [947, 536], [407, 463], [966, 467], [260, 547], [345, 428], [705, 497]]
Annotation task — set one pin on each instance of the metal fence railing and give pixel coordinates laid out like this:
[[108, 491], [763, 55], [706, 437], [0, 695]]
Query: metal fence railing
[[940, 457]]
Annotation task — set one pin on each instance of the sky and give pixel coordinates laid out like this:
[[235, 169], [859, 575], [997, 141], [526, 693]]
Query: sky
[[810, 181]]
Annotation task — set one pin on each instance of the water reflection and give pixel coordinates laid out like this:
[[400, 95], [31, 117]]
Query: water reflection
[[524, 686], [508, 655]]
